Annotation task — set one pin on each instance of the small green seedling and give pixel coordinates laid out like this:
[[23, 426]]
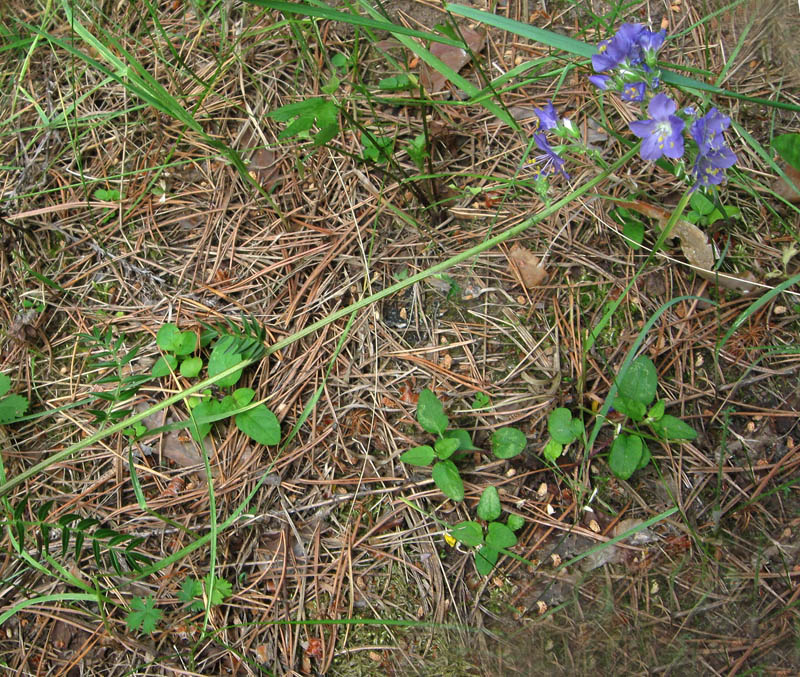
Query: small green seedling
[[143, 615], [506, 443], [192, 592], [304, 115], [496, 537], [376, 148], [12, 406], [704, 212], [564, 430], [258, 422]]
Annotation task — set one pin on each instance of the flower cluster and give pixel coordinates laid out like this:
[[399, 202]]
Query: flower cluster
[[626, 63], [629, 59], [549, 162]]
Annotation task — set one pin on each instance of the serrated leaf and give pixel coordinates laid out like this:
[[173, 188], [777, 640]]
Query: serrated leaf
[[191, 367], [5, 384], [12, 407], [499, 536], [485, 559], [508, 442], [445, 447], [788, 147], [259, 424], [143, 615], [190, 589], [515, 522], [222, 589], [626, 452], [164, 366], [552, 451], [430, 413], [223, 357], [469, 533], [559, 425], [422, 455], [489, 505], [672, 428], [446, 477], [639, 382]]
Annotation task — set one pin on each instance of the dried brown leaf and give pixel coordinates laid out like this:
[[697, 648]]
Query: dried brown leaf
[[454, 57], [784, 189], [527, 265]]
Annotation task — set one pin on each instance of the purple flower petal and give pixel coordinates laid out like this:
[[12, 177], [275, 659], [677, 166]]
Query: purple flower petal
[[633, 91], [548, 118], [599, 81]]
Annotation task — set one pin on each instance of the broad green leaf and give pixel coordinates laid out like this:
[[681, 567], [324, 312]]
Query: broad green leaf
[[577, 427], [499, 536], [489, 505], [187, 342], [421, 456], [559, 425], [395, 83], [634, 231], [515, 522], [672, 428], [5, 384], [468, 533], [430, 413], [626, 452], [631, 408], [168, 337], [485, 559], [656, 412], [243, 396], [12, 407], [508, 442], [445, 447], [788, 147], [639, 381], [223, 357], [259, 424], [480, 401], [446, 477], [191, 367], [646, 456], [417, 150], [164, 366], [701, 204], [198, 431], [464, 439], [552, 450]]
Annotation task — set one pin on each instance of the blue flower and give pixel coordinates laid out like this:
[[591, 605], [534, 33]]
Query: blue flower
[[600, 81], [548, 118], [631, 45], [610, 54], [709, 170], [707, 131], [661, 134], [550, 161], [633, 91]]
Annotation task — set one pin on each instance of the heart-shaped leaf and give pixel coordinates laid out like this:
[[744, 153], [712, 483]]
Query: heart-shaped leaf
[[672, 428], [508, 442], [559, 425], [626, 452], [639, 381], [468, 533], [259, 424], [485, 559], [499, 536]]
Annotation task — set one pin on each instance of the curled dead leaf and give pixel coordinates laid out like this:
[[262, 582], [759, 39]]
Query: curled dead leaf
[[453, 57], [527, 265], [790, 192]]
